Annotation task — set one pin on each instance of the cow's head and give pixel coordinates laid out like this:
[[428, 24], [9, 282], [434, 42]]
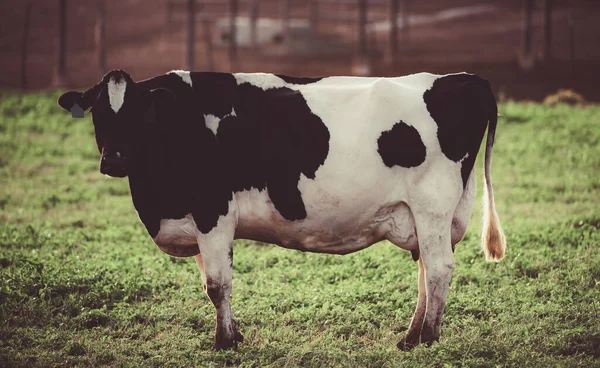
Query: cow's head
[[121, 112]]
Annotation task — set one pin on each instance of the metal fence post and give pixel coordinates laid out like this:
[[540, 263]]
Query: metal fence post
[[314, 15], [100, 37], [393, 28], [285, 16], [210, 62], [191, 30], [547, 52], [362, 28], [406, 21], [60, 67], [233, 34], [526, 56], [254, 11], [571, 23], [24, 42]]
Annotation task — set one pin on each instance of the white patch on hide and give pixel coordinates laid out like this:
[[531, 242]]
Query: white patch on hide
[[116, 93], [175, 232], [261, 80], [184, 75], [212, 122]]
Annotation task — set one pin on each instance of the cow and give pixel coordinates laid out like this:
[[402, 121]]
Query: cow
[[326, 165]]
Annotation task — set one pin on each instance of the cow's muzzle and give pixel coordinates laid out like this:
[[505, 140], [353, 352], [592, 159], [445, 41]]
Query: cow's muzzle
[[114, 164]]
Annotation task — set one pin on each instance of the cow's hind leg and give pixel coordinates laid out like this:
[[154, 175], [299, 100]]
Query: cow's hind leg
[[412, 337], [215, 262], [435, 248]]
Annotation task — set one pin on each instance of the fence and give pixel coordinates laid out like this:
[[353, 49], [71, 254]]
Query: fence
[[316, 12]]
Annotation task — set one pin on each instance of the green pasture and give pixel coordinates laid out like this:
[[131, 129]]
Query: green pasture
[[82, 284]]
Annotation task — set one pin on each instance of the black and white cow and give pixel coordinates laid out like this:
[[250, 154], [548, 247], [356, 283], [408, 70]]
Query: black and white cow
[[326, 165]]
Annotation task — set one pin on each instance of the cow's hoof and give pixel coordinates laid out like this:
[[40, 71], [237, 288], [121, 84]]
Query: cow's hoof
[[225, 345], [228, 343], [428, 336], [238, 337], [407, 343], [429, 342]]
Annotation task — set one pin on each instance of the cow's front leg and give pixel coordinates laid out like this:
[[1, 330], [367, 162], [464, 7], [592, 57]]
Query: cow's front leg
[[215, 262], [216, 268]]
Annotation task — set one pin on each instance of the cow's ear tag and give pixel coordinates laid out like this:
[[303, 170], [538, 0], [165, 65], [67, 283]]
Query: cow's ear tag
[[76, 111]]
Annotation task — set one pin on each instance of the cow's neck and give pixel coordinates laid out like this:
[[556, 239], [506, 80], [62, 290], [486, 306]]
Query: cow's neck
[[145, 189], [176, 158], [207, 92]]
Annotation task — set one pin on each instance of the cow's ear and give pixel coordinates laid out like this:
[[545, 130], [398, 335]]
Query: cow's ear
[[72, 101], [159, 101], [78, 102]]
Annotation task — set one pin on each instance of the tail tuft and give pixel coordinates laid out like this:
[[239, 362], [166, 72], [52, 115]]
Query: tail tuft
[[493, 241]]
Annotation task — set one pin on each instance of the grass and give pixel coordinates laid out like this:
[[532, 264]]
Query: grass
[[81, 283]]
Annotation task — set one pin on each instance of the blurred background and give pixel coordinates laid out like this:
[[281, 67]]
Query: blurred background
[[528, 49]]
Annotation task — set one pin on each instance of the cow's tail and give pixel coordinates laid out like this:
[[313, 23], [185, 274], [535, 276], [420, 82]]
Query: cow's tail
[[493, 241]]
